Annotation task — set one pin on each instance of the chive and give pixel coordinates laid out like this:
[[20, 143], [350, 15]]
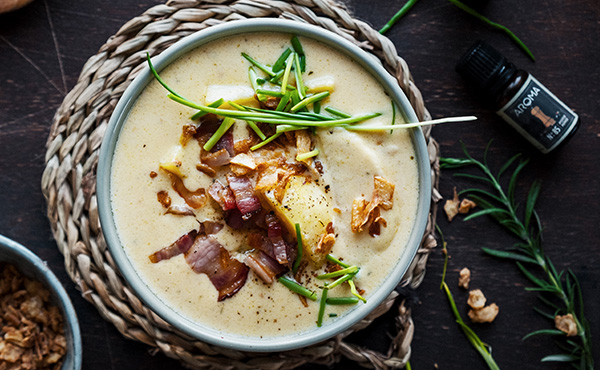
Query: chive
[[409, 4], [259, 65], [332, 259], [253, 78], [498, 26], [299, 246], [308, 100], [340, 280], [342, 300], [333, 314], [252, 124], [286, 74], [354, 291], [265, 142], [160, 81], [297, 45], [276, 94], [277, 76], [316, 116], [225, 125], [347, 270], [283, 102], [286, 128], [297, 288], [411, 125], [393, 116], [260, 81], [305, 156], [337, 112], [298, 75], [322, 306], [303, 63], [317, 107], [215, 104], [276, 113], [280, 63], [295, 98], [275, 117]]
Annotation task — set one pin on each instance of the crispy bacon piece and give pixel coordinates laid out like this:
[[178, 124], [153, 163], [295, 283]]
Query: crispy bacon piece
[[245, 199], [222, 194], [194, 199], [181, 245], [217, 158], [163, 198], [227, 274], [284, 252], [180, 210], [187, 132], [369, 214], [265, 267], [210, 227]]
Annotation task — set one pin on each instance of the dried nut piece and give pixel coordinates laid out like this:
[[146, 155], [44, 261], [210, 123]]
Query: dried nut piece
[[451, 206], [566, 323], [464, 278], [476, 299], [466, 205], [486, 314]]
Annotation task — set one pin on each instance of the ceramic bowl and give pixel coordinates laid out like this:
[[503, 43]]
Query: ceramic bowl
[[32, 267], [197, 330]]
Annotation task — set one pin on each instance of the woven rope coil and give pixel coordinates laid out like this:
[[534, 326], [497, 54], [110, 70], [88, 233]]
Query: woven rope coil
[[69, 180]]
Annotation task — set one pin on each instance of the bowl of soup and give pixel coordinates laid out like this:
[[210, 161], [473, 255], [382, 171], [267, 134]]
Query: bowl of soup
[[256, 188]]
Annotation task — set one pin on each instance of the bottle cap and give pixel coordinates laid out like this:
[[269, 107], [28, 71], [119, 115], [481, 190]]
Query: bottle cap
[[485, 68]]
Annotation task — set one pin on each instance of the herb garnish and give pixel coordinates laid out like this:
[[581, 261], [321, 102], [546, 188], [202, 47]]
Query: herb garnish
[[468, 10], [560, 291], [481, 347]]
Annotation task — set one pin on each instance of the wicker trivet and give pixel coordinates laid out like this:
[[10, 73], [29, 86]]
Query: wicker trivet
[[69, 180]]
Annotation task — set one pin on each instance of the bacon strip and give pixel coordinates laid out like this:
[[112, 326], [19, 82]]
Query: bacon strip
[[284, 252], [181, 245], [227, 274], [243, 191], [194, 199], [265, 267], [222, 194]]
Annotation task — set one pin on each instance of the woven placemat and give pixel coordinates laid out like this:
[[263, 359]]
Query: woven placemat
[[69, 180]]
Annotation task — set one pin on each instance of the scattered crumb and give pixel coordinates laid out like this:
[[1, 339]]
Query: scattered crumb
[[466, 205], [464, 278], [566, 323], [451, 206], [486, 314], [476, 299], [454, 206]]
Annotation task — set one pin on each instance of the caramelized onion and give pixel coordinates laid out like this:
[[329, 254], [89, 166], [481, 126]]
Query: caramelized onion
[[194, 199]]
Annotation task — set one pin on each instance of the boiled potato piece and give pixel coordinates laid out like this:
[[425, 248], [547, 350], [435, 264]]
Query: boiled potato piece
[[304, 203], [172, 161], [240, 94], [320, 84]]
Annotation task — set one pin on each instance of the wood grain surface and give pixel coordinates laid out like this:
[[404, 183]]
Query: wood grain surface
[[44, 46]]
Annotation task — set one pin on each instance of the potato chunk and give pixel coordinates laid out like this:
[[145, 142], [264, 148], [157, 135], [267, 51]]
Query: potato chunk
[[304, 203], [240, 94]]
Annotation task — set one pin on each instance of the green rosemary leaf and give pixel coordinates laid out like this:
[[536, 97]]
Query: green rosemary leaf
[[473, 177], [543, 332], [560, 358], [547, 302], [544, 314], [513, 181], [450, 163], [480, 191], [409, 4], [508, 164], [495, 25], [540, 283], [486, 211], [509, 255]]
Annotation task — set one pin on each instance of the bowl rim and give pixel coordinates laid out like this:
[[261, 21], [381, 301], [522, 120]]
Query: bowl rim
[[42, 272], [200, 331]]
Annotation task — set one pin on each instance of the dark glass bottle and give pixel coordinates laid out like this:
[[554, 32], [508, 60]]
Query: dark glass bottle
[[523, 102]]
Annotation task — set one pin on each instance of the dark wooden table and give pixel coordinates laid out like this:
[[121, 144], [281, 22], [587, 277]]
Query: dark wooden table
[[44, 46]]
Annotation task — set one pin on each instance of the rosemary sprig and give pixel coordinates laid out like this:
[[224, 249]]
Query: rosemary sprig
[[559, 291], [401, 13], [479, 346]]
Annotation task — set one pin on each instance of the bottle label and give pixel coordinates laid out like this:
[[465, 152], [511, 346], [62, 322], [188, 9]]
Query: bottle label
[[539, 116]]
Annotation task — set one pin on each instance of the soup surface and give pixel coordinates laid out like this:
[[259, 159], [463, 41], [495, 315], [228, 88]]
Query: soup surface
[[349, 160]]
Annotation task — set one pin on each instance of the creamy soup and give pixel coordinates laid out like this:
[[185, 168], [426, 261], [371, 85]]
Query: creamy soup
[[350, 160]]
